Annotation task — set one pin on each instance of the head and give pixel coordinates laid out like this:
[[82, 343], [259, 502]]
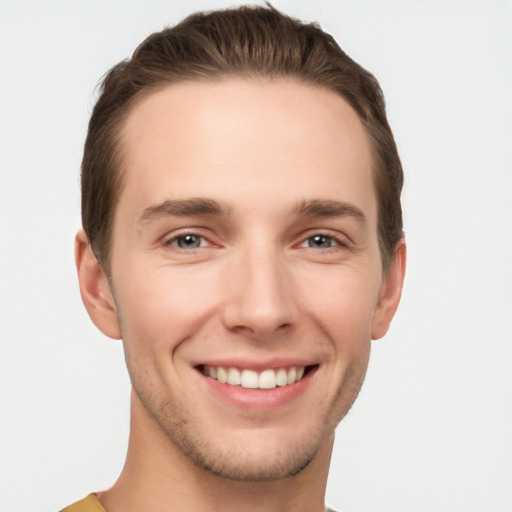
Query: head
[[241, 194], [248, 42]]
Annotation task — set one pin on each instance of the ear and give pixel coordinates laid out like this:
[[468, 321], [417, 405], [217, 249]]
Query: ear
[[95, 289], [390, 292]]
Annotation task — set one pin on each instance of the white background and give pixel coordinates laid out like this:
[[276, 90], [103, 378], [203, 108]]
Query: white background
[[432, 429]]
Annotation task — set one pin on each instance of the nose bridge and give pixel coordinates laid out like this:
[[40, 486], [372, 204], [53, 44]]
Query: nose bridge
[[261, 300]]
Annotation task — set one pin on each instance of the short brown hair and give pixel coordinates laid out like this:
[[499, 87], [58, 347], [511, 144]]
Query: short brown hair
[[244, 42]]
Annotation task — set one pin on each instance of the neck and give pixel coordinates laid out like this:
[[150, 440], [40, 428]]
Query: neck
[[159, 477]]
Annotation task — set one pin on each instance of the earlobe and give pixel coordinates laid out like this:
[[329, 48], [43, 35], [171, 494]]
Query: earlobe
[[390, 293], [95, 289]]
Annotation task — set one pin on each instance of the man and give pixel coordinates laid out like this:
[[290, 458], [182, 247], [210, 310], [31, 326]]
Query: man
[[243, 237]]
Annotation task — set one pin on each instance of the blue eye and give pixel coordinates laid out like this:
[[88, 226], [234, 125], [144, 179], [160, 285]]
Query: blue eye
[[321, 242], [188, 241]]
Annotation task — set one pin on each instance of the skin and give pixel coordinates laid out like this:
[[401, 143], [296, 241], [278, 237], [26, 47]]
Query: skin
[[283, 163]]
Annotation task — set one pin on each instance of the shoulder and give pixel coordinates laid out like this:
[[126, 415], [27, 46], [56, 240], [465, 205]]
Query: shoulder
[[89, 504]]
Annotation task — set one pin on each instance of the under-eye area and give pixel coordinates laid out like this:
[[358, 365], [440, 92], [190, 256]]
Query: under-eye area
[[251, 379]]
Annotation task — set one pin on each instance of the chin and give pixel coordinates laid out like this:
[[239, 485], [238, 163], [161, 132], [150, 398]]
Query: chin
[[261, 462], [246, 455]]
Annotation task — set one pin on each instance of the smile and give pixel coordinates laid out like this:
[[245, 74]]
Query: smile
[[250, 379]]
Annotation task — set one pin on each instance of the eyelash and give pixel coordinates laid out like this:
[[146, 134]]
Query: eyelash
[[174, 241], [333, 241]]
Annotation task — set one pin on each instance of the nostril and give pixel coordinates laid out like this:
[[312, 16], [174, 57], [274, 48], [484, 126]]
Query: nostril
[[243, 329]]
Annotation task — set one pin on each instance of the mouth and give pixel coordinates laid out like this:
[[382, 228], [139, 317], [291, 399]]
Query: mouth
[[250, 379]]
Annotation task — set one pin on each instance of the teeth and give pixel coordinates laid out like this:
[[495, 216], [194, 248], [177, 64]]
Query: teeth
[[233, 377], [281, 377], [222, 375], [249, 379], [267, 379]]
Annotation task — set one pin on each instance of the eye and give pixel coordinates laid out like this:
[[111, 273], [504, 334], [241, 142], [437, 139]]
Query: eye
[[320, 242], [188, 241]]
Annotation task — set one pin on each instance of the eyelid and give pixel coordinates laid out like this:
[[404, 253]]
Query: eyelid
[[169, 238], [341, 239], [175, 241]]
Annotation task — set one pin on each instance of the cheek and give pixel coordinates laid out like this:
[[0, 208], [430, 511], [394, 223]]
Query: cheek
[[344, 306], [162, 307]]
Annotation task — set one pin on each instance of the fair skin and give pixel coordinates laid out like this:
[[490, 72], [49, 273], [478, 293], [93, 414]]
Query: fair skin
[[244, 243]]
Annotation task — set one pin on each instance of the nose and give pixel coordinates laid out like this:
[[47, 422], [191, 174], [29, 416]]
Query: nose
[[261, 301]]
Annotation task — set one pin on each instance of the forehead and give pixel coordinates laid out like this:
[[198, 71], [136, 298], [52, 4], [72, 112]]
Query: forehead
[[245, 140]]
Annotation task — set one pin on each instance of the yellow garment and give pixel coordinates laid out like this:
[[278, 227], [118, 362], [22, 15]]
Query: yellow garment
[[89, 504]]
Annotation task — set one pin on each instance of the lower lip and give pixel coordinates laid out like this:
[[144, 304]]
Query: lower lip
[[259, 399]]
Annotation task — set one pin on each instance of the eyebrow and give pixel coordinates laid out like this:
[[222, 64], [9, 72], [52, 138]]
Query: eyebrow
[[205, 206], [184, 207], [328, 208]]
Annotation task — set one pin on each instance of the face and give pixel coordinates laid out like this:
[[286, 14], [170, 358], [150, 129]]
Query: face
[[246, 276]]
